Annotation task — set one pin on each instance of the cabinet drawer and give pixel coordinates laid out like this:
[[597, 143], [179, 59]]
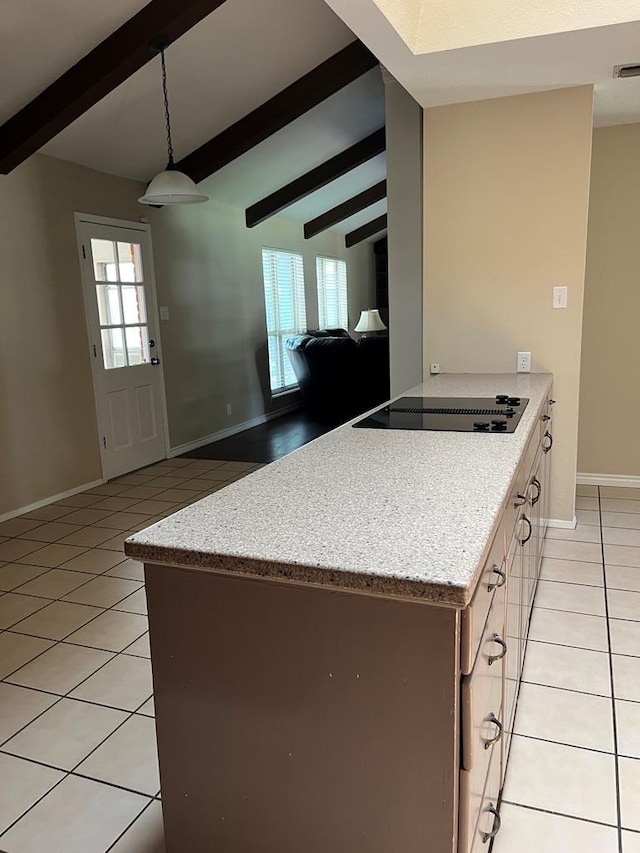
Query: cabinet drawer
[[481, 727], [519, 495], [488, 825], [545, 418], [482, 690], [474, 616]]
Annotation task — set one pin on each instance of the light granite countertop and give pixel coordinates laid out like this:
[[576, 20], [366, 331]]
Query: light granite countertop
[[406, 514]]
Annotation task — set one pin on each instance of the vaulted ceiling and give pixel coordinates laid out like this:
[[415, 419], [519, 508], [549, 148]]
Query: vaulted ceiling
[[231, 62], [243, 53]]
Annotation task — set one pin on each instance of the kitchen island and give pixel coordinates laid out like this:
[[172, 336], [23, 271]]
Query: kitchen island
[[337, 639]]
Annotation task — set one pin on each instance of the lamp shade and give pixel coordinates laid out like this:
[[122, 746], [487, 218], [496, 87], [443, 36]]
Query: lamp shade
[[370, 321], [172, 187]]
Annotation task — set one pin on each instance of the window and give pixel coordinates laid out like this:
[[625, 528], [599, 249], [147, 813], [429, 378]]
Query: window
[[332, 293], [286, 312], [122, 311]]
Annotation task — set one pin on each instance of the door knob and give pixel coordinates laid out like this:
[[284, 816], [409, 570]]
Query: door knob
[[155, 361]]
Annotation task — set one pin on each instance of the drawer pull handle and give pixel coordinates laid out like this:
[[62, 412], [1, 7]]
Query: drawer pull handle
[[547, 447], [546, 417], [496, 722], [536, 482], [496, 638], [520, 500], [502, 579], [528, 536], [497, 823]]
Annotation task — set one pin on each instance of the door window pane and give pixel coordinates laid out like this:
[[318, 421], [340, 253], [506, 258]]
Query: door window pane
[[130, 262], [104, 260], [113, 348], [108, 304], [133, 304], [137, 344]]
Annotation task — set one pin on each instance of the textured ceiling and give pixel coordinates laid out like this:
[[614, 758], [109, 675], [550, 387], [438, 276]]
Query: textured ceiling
[[428, 26], [515, 66]]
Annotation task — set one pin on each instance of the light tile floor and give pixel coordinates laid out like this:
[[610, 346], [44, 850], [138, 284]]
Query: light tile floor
[[573, 781], [78, 764], [77, 741]]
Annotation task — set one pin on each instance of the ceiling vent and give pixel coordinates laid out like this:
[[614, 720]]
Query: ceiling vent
[[630, 70]]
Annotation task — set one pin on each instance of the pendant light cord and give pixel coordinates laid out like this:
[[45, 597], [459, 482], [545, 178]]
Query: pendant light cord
[[170, 164]]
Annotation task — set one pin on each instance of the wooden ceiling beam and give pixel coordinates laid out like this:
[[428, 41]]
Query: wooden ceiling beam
[[343, 211], [310, 90], [317, 178], [99, 72], [368, 230]]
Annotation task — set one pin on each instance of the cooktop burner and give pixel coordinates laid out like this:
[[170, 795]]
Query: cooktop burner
[[449, 414]]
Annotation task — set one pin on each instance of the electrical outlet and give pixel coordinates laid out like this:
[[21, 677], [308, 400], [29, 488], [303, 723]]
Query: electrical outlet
[[523, 363], [228, 409], [435, 368]]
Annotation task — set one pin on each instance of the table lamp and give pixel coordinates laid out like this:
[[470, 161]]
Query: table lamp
[[370, 321]]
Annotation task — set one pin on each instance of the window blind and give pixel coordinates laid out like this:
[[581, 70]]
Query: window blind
[[283, 277], [331, 276]]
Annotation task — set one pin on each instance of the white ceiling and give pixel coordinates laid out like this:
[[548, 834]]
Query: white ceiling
[[41, 39], [231, 62], [337, 123], [248, 50], [427, 26], [517, 66]]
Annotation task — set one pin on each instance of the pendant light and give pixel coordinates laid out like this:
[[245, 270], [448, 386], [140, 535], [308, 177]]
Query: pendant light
[[170, 186]]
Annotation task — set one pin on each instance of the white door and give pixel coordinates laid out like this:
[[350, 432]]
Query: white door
[[124, 345]]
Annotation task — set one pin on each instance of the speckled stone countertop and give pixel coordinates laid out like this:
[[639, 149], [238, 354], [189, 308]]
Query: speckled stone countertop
[[406, 514]]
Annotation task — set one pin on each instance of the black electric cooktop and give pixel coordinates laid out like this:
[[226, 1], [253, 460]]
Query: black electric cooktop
[[449, 414]]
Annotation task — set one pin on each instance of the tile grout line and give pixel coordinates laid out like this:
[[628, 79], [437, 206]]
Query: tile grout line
[[59, 697], [560, 814], [613, 692], [78, 699], [128, 827], [580, 692], [564, 743]]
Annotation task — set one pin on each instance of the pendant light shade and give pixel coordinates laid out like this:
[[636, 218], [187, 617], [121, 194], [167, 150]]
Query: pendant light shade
[[170, 186]]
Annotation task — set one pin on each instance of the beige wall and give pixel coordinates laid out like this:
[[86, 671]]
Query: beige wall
[[610, 352], [404, 206], [506, 188], [209, 272], [48, 438]]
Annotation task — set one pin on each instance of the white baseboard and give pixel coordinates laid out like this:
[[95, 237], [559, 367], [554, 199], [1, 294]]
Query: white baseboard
[[608, 480], [226, 433], [51, 500], [562, 524]]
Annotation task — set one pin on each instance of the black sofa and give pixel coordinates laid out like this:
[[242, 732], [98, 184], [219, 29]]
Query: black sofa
[[339, 377]]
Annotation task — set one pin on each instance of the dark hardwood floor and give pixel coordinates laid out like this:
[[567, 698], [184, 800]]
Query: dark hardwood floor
[[267, 442]]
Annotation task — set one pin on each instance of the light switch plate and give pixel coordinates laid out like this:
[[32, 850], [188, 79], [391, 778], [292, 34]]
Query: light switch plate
[[560, 297], [164, 312]]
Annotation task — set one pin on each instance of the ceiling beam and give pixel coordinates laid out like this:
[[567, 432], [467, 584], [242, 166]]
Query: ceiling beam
[[99, 72], [345, 210], [310, 90], [317, 178], [365, 231]]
